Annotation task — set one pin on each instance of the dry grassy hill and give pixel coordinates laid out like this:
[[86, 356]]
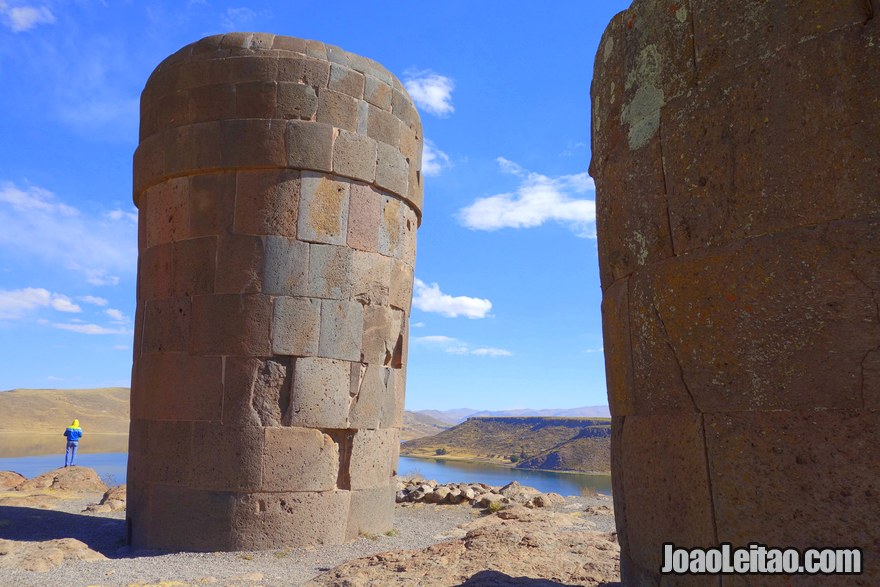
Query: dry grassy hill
[[570, 444]]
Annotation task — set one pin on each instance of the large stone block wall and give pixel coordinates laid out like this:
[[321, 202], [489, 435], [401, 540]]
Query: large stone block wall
[[279, 189], [736, 152]]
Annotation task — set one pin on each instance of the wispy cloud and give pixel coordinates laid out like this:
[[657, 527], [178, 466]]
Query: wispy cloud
[[95, 301], [239, 19], [429, 298], [434, 160], [430, 91], [455, 346], [538, 199], [117, 316], [15, 304], [24, 18], [37, 224], [89, 328], [596, 350]]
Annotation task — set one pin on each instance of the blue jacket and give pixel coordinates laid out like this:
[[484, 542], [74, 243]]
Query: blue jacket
[[73, 434]]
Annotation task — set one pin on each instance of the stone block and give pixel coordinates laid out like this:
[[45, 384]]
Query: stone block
[[239, 376], [167, 218], [203, 104], [409, 225], [295, 101], [149, 164], [633, 226], [226, 458], [255, 143], [168, 452], [267, 202], [309, 145], [181, 518], [392, 172], [363, 116], [790, 463], [316, 50], [166, 324], [296, 326], [354, 156], [231, 324], [726, 37], [329, 272], [320, 397], [400, 294], [300, 519], [299, 459], [251, 67], [255, 99], [415, 191], [373, 458], [193, 266], [618, 350], [286, 272], [311, 72], [337, 109], [342, 323], [292, 44], [377, 93], [391, 227], [212, 200], [411, 148], [323, 211], [373, 399], [177, 386], [383, 335], [240, 262], [775, 322], [271, 390], [398, 385], [384, 127], [652, 488], [363, 218], [370, 278], [346, 81], [157, 267], [372, 512], [606, 96], [402, 107]]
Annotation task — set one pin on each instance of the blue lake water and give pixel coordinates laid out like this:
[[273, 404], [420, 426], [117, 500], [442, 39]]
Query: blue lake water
[[112, 467]]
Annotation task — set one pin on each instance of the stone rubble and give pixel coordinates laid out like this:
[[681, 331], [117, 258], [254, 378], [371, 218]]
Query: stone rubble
[[474, 494]]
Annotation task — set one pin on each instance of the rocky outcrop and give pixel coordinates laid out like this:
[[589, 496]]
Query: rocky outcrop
[[113, 500], [10, 480], [79, 479], [521, 546], [44, 556], [474, 494], [736, 148]]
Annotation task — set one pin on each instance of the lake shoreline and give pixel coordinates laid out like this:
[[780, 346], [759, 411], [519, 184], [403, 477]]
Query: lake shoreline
[[494, 463]]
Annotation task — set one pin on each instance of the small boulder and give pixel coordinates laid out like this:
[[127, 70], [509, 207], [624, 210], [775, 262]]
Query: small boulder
[[43, 556], [545, 500], [112, 501]]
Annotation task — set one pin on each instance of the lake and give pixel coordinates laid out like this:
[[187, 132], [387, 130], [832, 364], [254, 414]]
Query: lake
[[112, 468]]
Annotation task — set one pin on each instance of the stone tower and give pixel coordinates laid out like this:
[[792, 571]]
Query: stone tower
[[279, 188], [736, 151]]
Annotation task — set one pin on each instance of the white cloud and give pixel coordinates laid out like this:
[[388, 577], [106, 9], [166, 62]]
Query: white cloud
[[15, 304], [430, 91], [537, 200], [417, 325], [121, 347], [24, 18], [429, 298], [95, 301], [454, 346], [239, 19], [597, 350], [36, 224], [433, 159], [117, 316], [90, 328], [131, 216]]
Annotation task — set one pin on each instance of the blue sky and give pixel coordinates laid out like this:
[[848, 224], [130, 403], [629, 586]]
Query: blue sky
[[507, 303]]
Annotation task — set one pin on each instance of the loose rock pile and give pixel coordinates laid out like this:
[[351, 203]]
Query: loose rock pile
[[474, 494]]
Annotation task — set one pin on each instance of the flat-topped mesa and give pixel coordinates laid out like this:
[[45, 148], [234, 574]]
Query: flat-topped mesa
[[736, 149], [279, 188]]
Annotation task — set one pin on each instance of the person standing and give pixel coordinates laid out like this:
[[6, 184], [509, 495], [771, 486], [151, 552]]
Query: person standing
[[73, 434]]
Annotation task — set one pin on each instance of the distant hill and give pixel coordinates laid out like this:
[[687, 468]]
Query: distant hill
[[459, 415], [416, 425], [561, 444]]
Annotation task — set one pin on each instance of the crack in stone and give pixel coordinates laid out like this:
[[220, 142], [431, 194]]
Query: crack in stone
[[665, 187], [709, 477], [668, 342], [873, 293]]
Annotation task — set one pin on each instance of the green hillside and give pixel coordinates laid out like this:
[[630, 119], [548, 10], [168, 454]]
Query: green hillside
[[561, 444]]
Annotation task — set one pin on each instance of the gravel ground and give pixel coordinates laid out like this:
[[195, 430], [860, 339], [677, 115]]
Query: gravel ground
[[418, 526]]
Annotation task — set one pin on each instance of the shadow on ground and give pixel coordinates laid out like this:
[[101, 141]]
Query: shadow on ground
[[104, 535], [498, 579]]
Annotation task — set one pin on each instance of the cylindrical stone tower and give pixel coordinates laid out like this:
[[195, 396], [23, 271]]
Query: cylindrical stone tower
[[279, 188], [736, 151]]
